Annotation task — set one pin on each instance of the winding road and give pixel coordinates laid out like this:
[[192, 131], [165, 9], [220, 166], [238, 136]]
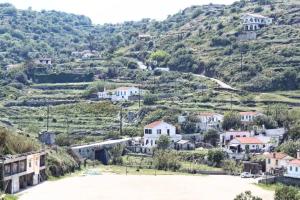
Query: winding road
[[219, 82]]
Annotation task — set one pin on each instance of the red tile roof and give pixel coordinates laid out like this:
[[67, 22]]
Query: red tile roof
[[278, 155], [153, 124], [295, 162], [249, 113], [249, 140], [207, 114]]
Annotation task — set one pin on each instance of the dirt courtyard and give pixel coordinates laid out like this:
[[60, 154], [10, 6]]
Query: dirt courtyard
[[144, 187]]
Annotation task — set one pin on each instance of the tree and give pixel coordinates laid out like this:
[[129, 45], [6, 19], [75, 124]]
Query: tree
[[163, 142], [246, 196], [232, 120], [150, 99], [287, 193], [290, 148], [211, 136], [216, 156], [188, 127], [267, 121]]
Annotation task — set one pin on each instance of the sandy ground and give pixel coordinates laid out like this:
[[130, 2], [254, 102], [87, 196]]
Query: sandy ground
[[148, 187]]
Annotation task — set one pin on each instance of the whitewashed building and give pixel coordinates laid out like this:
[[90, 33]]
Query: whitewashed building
[[253, 22], [209, 120], [248, 117], [293, 167], [153, 131], [227, 136], [240, 144], [119, 94]]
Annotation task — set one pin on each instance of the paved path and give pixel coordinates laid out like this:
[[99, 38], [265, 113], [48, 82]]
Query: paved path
[[134, 187]]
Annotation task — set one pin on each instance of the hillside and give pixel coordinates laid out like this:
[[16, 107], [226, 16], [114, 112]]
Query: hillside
[[199, 39]]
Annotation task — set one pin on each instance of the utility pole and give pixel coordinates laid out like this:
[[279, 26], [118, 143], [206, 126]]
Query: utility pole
[[241, 61], [139, 96], [121, 119], [48, 110], [231, 102]]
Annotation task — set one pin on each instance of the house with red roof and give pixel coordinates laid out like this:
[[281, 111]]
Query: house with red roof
[[227, 136], [241, 144], [154, 130], [276, 161], [293, 167], [119, 94]]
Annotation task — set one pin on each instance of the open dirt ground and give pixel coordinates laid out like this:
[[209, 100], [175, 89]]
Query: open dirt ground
[[144, 187]]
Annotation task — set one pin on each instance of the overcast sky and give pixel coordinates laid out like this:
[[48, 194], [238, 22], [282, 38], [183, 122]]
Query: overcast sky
[[113, 11]]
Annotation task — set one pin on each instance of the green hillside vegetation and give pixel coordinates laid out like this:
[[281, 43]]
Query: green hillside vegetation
[[199, 39], [11, 143]]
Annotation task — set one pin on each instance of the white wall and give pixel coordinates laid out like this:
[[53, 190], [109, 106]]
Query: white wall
[[291, 171], [163, 127]]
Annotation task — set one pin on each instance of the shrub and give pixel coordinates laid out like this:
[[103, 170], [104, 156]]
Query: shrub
[[220, 41], [246, 196], [166, 160], [287, 193], [150, 99]]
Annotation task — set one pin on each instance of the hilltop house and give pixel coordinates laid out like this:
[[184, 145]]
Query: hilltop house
[[119, 94], [276, 162], [293, 167], [153, 131], [241, 144], [44, 61], [209, 120], [226, 137], [253, 22], [19, 171], [248, 117]]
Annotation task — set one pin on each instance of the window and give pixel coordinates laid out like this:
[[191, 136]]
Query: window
[[296, 169], [231, 137], [148, 131], [151, 142], [269, 161], [158, 131], [168, 131], [276, 162], [147, 141], [291, 168], [29, 164]]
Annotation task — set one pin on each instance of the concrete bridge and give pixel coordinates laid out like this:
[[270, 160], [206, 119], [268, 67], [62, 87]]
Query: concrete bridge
[[98, 151]]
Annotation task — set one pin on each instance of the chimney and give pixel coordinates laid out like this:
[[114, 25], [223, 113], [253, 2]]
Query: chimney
[[298, 154]]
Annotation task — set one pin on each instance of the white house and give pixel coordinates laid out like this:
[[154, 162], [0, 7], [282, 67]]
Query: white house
[[240, 144], [153, 131], [44, 61], [293, 167], [248, 117], [226, 137], [253, 22], [119, 94], [209, 120]]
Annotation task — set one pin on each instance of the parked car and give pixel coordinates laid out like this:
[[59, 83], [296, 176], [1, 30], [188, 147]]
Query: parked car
[[246, 175]]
